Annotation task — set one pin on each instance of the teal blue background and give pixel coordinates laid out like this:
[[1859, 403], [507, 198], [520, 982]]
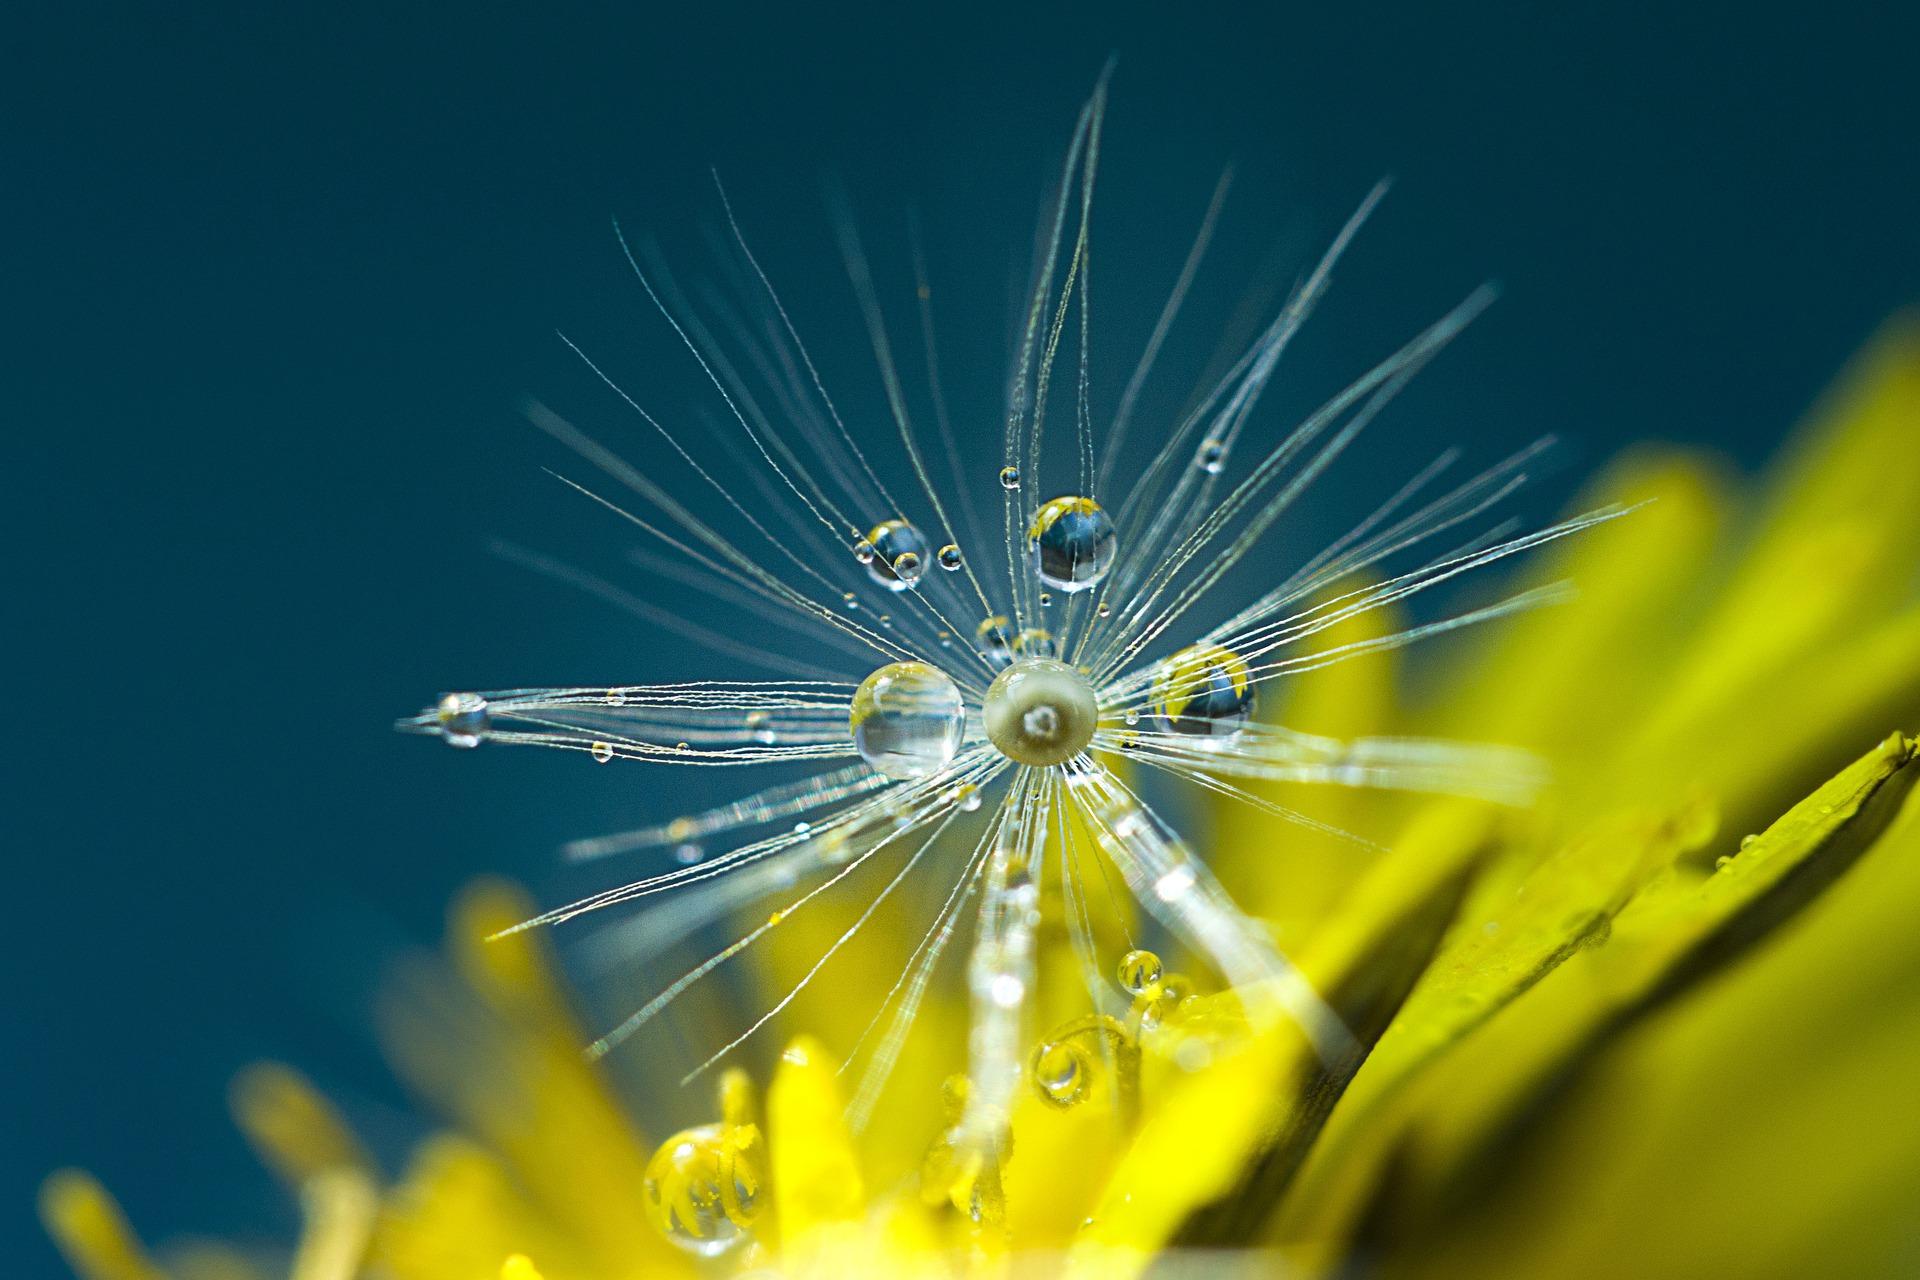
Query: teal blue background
[[276, 278]]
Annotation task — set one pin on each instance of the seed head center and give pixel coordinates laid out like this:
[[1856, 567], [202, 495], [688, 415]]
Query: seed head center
[[1040, 712]]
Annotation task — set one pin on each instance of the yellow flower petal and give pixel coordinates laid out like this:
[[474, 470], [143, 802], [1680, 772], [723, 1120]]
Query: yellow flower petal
[[92, 1233], [294, 1129], [816, 1174]]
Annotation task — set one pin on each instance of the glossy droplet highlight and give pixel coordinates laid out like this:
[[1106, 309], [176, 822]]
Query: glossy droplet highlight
[[463, 719], [1140, 971], [1061, 1072], [1035, 642], [900, 554], [1072, 543], [907, 719], [1040, 712], [703, 1185], [1202, 692], [994, 638]]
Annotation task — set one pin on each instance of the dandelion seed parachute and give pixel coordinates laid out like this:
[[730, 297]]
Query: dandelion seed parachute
[[967, 742]]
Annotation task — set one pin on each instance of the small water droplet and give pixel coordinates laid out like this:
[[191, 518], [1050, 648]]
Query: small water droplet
[[1105, 610], [802, 828], [602, 752], [687, 854], [1132, 716], [1009, 477], [1139, 971], [851, 601], [1747, 840], [1722, 862], [1060, 1073], [863, 551], [1212, 457], [683, 748], [1046, 598], [463, 719], [899, 555], [950, 558]]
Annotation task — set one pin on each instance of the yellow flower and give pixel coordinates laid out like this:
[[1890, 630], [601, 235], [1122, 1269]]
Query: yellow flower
[[1661, 1024]]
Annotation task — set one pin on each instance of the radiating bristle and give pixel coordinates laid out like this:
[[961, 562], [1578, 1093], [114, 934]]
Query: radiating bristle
[[987, 695]]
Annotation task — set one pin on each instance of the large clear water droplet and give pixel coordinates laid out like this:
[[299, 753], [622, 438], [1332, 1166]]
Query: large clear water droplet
[[900, 554], [907, 719], [1203, 691], [1072, 542], [702, 1187]]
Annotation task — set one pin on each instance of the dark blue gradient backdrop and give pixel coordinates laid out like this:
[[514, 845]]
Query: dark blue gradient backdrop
[[277, 278]]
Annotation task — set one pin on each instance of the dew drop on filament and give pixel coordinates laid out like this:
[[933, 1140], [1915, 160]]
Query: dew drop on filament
[[907, 719], [1072, 543], [898, 555], [1203, 691], [463, 719], [1009, 477]]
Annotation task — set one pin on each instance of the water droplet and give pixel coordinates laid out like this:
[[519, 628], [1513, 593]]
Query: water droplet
[[684, 748], [1203, 691], [463, 719], [802, 828], [1060, 1072], [863, 551], [1212, 457], [1747, 840], [950, 558], [1105, 610], [1046, 598], [965, 797], [851, 601], [1722, 862], [687, 854], [602, 752], [703, 1185], [1072, 542], [899, 555], [1139, 971], [1132, 716], [907, 719], [1009, 477], [994, 636], [1035, 642], [760, 725]]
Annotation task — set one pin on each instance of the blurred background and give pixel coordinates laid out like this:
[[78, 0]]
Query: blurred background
[[279, 278]]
